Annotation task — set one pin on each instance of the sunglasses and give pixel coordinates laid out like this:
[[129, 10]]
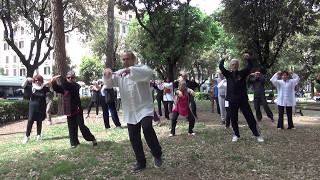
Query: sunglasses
[[70, 77], [37, 80]]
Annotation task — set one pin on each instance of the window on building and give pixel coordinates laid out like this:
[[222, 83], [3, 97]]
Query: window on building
[[123, 29], [21, 44], [23, 72], [5, 46], [130, 16], [31, 29], [120, 13], [14, 72], [67, 38], [7, 72], [14, 59], [7, 59], [22, 31], [47, 70]]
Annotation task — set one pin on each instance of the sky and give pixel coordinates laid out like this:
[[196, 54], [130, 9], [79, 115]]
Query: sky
[[207, 6]]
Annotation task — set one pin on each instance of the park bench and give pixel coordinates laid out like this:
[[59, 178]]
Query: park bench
[[304, 105]]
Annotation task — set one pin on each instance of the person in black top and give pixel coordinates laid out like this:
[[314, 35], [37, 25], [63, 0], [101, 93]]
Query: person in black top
[[257, 80], [37, 104], [159, 88], [194, 86], [95, 99], [72, 108], [237, 96]]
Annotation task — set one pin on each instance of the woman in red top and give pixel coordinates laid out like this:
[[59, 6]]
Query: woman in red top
[[182, 108]]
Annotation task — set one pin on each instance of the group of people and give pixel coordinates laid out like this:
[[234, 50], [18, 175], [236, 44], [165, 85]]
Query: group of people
[[138, 103]]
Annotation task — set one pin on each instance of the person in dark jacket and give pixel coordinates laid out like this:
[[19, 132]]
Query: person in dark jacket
[[95, 98], [159, 88], [237, 96], [257, 80], [37, 104], [72, 108]]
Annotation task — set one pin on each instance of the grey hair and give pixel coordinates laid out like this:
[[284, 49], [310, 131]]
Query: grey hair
[[182, 82], [73, 74], [237, 60]]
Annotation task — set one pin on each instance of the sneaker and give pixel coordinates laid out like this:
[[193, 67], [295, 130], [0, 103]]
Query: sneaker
[[292, 128], [223, 122], [92, 143], [235, 138], [48, 123], [170, 135], [191, 134], [157, 162], [39, 138], [227, 127], [137, 168], [272, 120], [279, 128], [25, 139], [260, 139], [74, 146]]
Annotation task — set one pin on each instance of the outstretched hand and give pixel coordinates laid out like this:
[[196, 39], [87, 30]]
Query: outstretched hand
[[246, 56]]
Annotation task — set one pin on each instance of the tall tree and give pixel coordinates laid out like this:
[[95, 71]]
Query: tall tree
[[59, 45], [33, 17], [90, 69], [110, 43], [167, 31], [264, 26]]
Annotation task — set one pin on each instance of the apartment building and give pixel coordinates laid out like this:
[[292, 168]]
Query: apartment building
[[76, 47]]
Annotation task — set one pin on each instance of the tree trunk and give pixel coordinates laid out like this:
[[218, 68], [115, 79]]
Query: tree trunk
[[59, 44], [110, 43]]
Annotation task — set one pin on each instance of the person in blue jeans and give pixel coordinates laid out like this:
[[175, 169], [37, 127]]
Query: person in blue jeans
[[109, 106]]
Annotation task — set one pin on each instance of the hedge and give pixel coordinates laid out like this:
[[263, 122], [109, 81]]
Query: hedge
[[16, 110]]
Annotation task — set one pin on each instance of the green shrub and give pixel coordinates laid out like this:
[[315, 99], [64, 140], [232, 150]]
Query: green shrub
[[15, 110], [201, 96]]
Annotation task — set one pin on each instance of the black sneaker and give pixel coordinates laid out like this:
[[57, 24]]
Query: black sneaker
[[138, 167], [157, 162]]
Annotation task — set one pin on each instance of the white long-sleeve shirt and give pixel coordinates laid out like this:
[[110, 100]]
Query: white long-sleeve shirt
[[286, 89], [168, 96], [222, 87], [137, 101]]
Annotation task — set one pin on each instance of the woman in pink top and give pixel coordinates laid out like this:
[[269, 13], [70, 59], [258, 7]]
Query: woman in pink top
[[182, 108]]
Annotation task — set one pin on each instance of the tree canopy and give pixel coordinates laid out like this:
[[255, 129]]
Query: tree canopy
[[263, 27], [166, 32], [90, 69]]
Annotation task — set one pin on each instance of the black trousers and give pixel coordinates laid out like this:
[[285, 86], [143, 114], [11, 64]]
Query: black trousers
[[167, 108], [159, 100], [246, 111], [194, 106], [175, 116], [289, 115], [149, 135], [217, 102], [91, 103], [228, 119], [35, 116], [74, 122], [258, 101]]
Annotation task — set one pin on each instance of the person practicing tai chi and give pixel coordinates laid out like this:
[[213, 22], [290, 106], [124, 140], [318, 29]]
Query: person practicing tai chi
[[72, 108], [257, 80], [37, 104], [286, 95], [237, 96], [182, 104], [138, 107]]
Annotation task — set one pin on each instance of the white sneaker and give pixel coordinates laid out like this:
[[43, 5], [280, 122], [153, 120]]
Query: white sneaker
[[170, 135], [191, 134], [48, 123], [25, 139], [39, 138], [260, 139], [235, 138]]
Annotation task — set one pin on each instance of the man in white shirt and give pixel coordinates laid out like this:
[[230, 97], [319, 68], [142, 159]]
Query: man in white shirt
[[138, 108]]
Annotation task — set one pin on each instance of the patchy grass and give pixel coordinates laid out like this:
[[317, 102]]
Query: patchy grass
[[210, 154]]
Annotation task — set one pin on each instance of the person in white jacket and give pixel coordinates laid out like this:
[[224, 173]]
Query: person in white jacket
[[286, 95], [138, 108], [222, 92]]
